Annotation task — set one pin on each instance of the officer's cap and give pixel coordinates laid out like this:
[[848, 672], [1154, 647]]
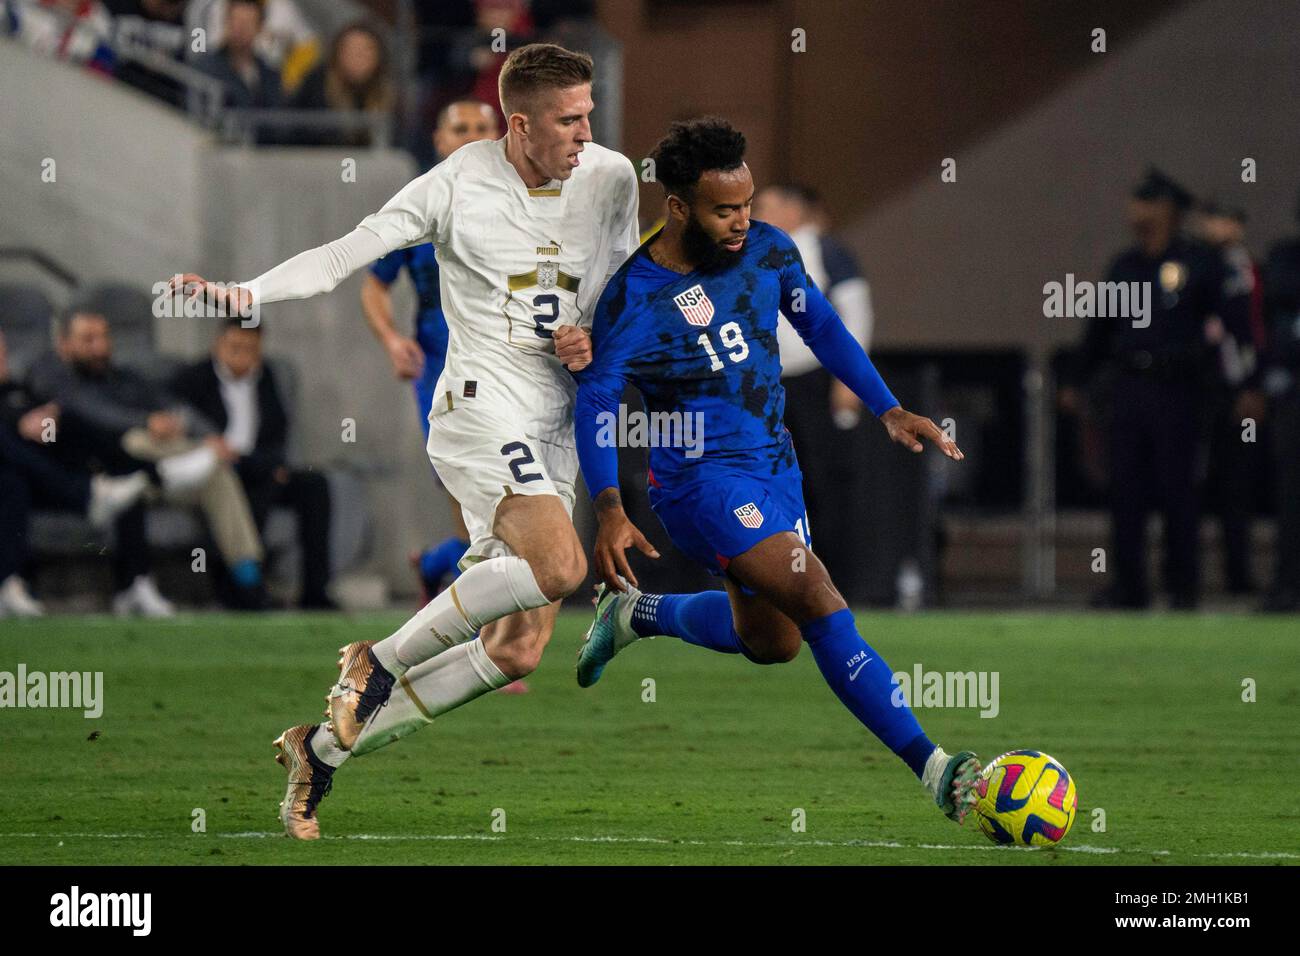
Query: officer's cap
[[1156, 185]]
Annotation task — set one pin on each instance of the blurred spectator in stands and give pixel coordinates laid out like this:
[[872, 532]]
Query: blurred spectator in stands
[[550, 14], [150, 40], [822, 413], [79, 31], [286, 40], [249, 80], [1162, 368], [237, 392], [35, 472], [1282, 383], [475, 59], [354, 77], [138, 416], [1235, 466], [439, 24]]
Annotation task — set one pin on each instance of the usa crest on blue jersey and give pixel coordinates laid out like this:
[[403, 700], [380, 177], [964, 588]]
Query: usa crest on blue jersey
[[695, 305], [749, 515]]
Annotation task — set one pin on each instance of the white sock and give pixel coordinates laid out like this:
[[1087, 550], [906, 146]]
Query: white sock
[[932, 775], [487, 591], [429, 689], [325, 747]]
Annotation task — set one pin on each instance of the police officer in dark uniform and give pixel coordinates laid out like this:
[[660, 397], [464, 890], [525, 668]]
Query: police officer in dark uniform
[[1235, 466], [1159, 376], [1282, 382]]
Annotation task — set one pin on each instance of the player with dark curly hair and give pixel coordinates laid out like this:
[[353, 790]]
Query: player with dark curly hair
[[691, 321]]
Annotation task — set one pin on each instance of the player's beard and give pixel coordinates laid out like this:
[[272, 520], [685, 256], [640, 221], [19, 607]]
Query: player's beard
[[705, 252]]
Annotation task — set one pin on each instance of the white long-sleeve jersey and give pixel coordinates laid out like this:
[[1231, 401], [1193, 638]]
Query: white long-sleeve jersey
[[514, 263]]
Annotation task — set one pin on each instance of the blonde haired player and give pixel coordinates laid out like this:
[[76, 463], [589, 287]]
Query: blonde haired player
[[527, 230]]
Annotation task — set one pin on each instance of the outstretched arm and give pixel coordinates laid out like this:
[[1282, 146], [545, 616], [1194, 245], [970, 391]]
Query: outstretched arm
[[843, 356], [305, 275], [418, 212]]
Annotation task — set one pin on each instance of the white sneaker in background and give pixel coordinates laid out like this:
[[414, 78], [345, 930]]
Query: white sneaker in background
[[110, 496], [142, 598], [16, 600], [188, 470]]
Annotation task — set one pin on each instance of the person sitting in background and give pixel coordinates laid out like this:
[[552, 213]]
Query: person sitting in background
[[286, 42], [136, 415], [237, 392], [78, 31], [38, 469], [154, 27], [475, 59], [355, 77], [250, 82]]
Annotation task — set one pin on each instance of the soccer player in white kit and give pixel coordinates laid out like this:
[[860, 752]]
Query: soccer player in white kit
[[527, 230]]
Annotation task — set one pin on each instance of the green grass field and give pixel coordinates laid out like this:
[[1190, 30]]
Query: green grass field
[[1146, 712]]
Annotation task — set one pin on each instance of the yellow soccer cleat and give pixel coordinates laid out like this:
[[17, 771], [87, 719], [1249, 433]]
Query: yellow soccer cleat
[[309, 782]]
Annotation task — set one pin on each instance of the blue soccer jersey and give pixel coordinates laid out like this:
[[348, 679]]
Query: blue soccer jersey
[[702, 350], [430, 323]]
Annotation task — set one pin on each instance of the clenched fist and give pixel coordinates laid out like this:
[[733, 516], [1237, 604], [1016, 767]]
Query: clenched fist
[[572, 347]]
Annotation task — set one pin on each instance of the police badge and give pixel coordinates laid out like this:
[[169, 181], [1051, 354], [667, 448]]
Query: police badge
[[1173, 275]]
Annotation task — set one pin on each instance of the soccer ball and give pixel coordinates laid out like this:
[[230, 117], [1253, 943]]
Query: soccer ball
[[1025, 798]]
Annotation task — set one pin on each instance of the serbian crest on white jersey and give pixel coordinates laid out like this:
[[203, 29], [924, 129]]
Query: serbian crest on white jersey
[[749, 515], [547, 275], [695, 305]]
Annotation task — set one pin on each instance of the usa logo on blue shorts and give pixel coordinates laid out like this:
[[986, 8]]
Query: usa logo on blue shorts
[[749, 515]]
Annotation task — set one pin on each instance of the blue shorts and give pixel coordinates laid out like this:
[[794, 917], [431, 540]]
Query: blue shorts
[[714, 520]]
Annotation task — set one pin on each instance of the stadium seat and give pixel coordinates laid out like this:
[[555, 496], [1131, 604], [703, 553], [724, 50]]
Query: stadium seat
[[25, 312]]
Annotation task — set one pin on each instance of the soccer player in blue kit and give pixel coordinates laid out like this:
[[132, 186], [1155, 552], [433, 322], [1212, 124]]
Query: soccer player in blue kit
[[690, 320]]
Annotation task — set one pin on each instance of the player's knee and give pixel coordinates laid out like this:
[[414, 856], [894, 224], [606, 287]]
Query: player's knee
[[520, 657], [561, 573], [785, 652], [774, 655], [772, 649], [813, 602]]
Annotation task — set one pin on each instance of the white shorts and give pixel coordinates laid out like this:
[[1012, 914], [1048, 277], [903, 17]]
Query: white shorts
[[481, 459]]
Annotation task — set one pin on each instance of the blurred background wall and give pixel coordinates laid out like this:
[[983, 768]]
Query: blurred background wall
[[1048, 136]]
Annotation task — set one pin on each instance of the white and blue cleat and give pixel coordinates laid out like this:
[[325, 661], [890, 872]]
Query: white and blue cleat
[[951, 781], [609, 633]]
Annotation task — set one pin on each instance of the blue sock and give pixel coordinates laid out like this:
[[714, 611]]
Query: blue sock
[[435, 562], [865, 685], [702, 619], [246, 573]]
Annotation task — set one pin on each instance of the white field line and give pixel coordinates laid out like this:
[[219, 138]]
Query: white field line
[[781, 845]]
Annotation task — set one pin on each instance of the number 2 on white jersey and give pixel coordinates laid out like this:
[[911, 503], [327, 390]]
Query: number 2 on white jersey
[[732, 338]]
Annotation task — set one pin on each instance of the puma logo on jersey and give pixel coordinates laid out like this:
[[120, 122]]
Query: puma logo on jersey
[[552, 250], [749, 515], [697, 308]]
